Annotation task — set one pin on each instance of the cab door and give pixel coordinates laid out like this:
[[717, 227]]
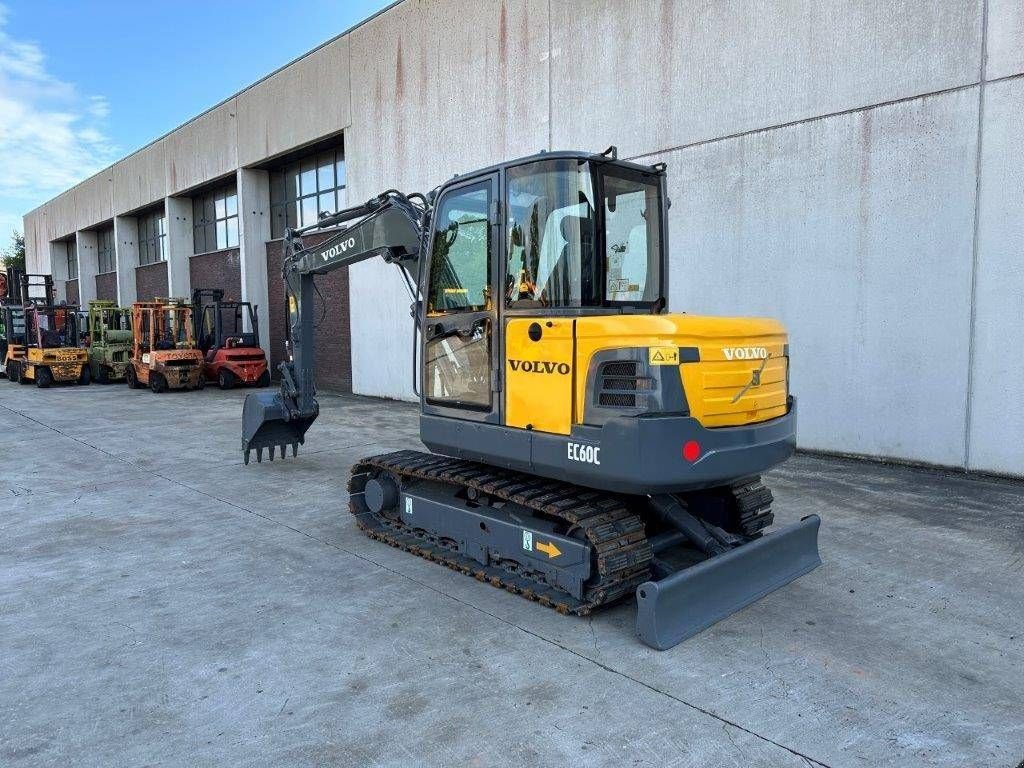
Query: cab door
[[458, 378]]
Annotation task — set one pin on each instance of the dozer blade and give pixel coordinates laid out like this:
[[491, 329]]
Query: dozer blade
[[687, 602], [266, 423]]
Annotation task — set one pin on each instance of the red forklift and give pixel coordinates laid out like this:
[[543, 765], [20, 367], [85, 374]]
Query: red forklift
[[232, 354]]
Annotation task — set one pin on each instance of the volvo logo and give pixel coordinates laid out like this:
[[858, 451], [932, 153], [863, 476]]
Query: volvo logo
[[337, 250], [539, 366], [744, 353]]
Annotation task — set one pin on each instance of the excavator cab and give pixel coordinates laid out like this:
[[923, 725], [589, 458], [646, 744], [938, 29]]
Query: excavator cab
[[585, 443]]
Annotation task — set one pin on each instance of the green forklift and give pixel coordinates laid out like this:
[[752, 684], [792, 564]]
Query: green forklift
[[109, 340]]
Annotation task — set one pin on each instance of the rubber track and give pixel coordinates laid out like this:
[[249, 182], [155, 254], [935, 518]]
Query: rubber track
[[616, 535]]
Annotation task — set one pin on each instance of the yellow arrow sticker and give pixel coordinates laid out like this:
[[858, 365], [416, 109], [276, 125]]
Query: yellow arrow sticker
[[663, 355], [548, 549]]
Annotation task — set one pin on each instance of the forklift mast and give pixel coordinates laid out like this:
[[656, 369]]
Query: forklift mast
[[242, 312]]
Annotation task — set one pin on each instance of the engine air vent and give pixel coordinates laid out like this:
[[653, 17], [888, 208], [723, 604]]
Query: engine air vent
[[621, 385]]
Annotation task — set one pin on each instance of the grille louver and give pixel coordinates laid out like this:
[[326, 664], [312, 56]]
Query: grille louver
[[621, 385]]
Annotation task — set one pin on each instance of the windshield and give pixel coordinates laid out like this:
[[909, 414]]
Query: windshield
[[582, 235]]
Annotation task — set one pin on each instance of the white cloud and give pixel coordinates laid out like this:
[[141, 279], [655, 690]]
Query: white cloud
[[51, 136]]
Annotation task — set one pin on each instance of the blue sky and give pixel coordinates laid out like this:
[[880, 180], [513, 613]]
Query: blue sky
[[85, 83]]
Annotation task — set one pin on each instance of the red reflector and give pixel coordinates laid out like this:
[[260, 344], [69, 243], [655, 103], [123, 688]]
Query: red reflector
[[691, 451]]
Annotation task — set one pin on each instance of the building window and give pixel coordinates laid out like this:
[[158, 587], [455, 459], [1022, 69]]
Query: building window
[[215, 220], [106, 260], [152, 238], [300, 192], [72, 250]]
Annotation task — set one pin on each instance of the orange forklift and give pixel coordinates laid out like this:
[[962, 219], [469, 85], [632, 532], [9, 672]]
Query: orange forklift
[[164, 353], [233, 354]]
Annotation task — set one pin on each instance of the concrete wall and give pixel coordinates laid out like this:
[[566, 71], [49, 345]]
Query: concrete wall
[[852, 167], [648, 75], [857, 231], [277, 114], [996, 415]]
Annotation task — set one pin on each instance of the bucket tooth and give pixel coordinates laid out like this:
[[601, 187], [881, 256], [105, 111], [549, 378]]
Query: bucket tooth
[[259, 455], [267, 423], [246, 455]]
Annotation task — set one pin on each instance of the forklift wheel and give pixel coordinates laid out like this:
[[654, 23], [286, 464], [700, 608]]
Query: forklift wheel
[[43, 377], [263, 380], [103, 375], [202, 381], [157, 383], [130, 378], [225, 379], [86, 375], [20, 375]]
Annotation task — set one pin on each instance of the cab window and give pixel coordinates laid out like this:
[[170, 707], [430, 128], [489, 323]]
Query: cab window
[[551, 234], [460, 262]]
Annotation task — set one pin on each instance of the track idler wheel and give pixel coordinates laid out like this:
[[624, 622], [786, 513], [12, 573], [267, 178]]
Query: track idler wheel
[[381, 494]]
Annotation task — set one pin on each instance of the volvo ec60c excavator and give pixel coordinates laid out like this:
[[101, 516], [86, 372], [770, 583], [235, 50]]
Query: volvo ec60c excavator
[[586, 444]]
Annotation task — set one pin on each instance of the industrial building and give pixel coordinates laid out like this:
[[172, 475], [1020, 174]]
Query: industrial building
[[853, 168]]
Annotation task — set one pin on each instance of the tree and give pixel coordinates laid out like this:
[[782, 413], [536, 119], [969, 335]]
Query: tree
[[14, 255]]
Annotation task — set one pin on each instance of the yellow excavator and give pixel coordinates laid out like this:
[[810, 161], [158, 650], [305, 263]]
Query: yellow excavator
[[585, 444]]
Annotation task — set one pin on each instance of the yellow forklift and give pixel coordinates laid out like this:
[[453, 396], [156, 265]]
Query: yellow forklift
[[52, 338]]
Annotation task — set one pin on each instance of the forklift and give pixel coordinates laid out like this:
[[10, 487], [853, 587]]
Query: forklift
[[12, 319], [164, 353], [51, 351], [108, 329], [232, 354]]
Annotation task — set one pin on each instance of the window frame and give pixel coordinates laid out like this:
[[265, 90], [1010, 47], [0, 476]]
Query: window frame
[[105, 251], [452, 321], [291, 202], [71, 255], [206, 226], [152, 238], [485, 186]]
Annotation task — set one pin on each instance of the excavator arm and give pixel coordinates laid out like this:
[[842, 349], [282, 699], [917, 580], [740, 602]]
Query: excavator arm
[[392, 226]]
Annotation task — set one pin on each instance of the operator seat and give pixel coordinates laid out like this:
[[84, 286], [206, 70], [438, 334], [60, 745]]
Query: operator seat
[[578, 233]]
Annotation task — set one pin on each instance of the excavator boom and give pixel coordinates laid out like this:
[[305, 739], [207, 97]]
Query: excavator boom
[[390, 226]]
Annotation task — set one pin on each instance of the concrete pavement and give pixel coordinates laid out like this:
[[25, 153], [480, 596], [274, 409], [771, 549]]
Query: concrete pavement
[[161, 604]]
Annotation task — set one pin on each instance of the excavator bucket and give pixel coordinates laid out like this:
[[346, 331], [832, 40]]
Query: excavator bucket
[[267, 424], [689, 601]]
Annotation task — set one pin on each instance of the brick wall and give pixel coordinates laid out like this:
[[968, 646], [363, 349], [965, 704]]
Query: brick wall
[[71, 291], [106, 286], [332, 339], [219, 269], [151, 281]]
